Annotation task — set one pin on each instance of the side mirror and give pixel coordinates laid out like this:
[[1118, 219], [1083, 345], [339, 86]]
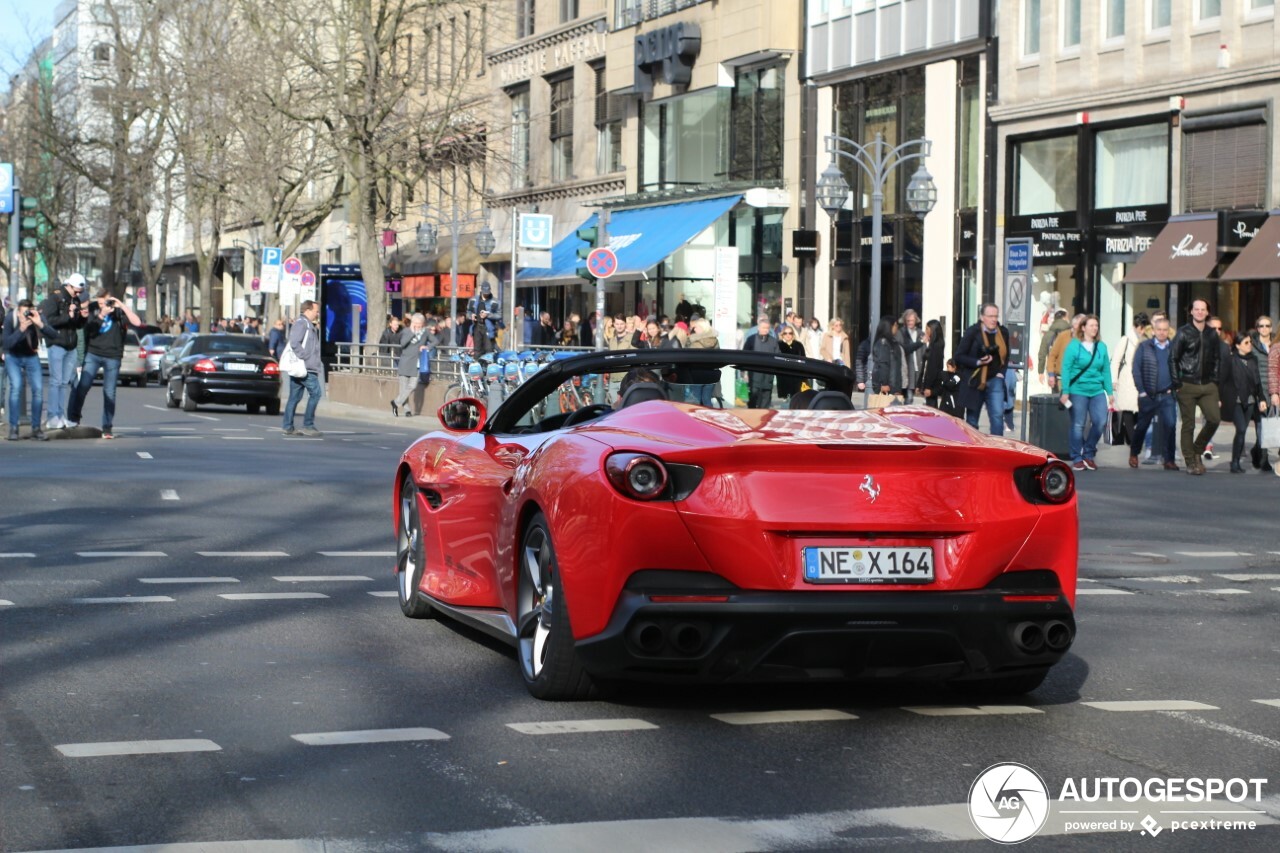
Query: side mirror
[[466, 414]]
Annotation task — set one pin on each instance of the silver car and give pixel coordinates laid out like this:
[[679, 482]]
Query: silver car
[[169, 360], [133, 364], [155, 346]]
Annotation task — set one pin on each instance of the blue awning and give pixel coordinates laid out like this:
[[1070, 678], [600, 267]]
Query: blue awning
[[642, 238]]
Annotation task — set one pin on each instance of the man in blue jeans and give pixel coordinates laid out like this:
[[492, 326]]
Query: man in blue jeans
[[1157, 403], [104, 334], [981, 359], [62, 314], [304, 340], [23, 327]]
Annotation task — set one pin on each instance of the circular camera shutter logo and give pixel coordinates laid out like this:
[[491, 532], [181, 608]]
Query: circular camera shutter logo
[[1008, 803]]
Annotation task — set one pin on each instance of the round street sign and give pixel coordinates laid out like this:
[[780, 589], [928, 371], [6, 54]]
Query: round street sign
[[602, 262], [292, 265], [1017, 292], [308, 278]]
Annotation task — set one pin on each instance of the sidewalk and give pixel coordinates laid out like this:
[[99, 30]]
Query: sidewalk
[[426, 422]]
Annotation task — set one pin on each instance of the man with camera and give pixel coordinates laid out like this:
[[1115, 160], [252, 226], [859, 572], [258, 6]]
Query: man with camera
[[61, 312], [982, 357], [23, 327], [104, 333]]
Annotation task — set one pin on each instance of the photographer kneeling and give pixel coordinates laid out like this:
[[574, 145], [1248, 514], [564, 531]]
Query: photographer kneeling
[[104, 334]]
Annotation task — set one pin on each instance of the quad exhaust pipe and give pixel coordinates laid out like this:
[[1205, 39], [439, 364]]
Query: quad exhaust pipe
[[1034, 637], [1028, 637], [1057, 635], [653, 638]]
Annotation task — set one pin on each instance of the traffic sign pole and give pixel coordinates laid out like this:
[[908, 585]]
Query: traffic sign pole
[[603, 240], [1018, 252]]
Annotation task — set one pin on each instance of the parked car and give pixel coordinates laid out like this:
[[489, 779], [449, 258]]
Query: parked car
[[806, 544], [170, 356], [133, 365], [155, 346], [225, 370]]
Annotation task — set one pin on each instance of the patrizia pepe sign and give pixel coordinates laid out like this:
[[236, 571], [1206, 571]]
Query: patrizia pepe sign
[[1189, 247]]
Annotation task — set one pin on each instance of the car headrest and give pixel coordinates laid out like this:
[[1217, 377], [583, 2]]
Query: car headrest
[[830, 401], [642, 392]]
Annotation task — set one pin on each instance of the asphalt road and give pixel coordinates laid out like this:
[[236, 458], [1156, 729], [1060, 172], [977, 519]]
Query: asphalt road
[[155, 688]]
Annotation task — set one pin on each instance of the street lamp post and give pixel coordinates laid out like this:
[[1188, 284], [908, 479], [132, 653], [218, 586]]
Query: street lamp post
[[428, 237], [877, 159]]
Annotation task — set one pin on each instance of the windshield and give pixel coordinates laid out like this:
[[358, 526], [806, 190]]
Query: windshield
[[228, 344]]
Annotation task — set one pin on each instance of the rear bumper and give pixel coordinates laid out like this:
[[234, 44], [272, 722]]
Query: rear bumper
[[763, 636], [232, 391]]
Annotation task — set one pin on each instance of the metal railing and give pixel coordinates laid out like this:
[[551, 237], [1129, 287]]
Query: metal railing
[[383, 360]]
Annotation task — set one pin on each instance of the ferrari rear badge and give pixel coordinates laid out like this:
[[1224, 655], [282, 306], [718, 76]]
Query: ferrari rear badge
[[869, 486]]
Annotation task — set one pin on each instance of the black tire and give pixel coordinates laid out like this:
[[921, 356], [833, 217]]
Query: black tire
[[170, 400], [1005, 685], [142, 381], [188, 402], [254, 408], [273, 407], [411, 553], [545, 650]]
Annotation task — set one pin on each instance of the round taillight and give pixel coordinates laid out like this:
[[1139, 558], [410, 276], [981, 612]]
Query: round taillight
[[205, 365], [271, 369], [637, 475], [1057, 483]]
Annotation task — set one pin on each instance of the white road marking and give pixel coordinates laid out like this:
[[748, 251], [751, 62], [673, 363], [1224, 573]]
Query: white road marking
[[369, 736], [758, 718], [16, 555], [1152, 705], [182, 436], [268, 596], [188, 580], [563, 727], [1275, 703], [1147, 554], [242, 553], [205, 417], [384, 593], [169, 495], [339, 432], [230, 429], [1212, 554], [975, 711], [157, 408], [176, 429], [136, 747], [1224, 591], [134, 599], [121, 554], [1166, 579], [142, 454], [1103, 591], [319, 578], [356, 553], [1243, 734], [244, 438], [4, 603], [1242, 578], [300, 438]]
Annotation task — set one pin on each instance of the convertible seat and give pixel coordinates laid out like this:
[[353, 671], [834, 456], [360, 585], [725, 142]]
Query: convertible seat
[[641, 392], [831, 401]]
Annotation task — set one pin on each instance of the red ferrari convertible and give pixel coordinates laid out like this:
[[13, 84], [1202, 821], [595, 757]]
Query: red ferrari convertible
[[654, 538]]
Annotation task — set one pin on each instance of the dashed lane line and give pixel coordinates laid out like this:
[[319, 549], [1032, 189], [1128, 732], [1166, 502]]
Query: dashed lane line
[[1213, 554], [205, 418], [1102, 591], [369, 736], [156, 408], [268, 596], [1152, 705], [124, 599], [319, 578], [384, 593], [230, 429], [136, 747], [243, 438], [975, 711], [120, 554], [4, 603], [142, 454], [1243, 578], [169, 495], [17, 555], [195, 437], [564, 727], [188, 580], [1223, 591], [356, 553], [1213, 725], [1274, 703], [242, 553], [764, 718]]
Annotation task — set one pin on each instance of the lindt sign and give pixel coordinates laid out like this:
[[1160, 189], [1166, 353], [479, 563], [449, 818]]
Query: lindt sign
[[1187, 247]]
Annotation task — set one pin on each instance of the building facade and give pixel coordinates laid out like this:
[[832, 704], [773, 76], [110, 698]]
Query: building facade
[[1122, 128]]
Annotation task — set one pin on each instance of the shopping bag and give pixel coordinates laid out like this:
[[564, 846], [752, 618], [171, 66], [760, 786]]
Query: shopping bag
[[883, 401], [1270, 429]]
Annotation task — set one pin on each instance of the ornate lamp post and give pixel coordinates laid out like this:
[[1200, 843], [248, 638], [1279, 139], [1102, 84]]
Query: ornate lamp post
[[877, 159]]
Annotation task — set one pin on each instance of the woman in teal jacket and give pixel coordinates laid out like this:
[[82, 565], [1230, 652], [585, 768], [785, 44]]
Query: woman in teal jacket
[[1087, 391]]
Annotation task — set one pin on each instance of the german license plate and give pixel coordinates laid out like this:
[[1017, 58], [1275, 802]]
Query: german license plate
[[242, 368], [868, 564]]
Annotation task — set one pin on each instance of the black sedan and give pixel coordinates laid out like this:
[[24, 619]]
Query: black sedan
[[225, 370]]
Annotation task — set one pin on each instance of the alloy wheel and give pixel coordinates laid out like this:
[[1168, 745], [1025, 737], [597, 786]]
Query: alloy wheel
[[537, 601]]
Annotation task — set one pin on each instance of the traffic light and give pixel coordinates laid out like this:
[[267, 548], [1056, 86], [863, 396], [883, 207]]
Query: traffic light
[[30, 222], [589, 234]]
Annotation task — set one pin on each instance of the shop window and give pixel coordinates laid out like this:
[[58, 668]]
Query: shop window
[[1071, 25], [1045, 175], [969, 137], [1208, 10], [1224, 166], [520, 138], [1131, 166], [756, 116], [1031, 28], [562, 129]]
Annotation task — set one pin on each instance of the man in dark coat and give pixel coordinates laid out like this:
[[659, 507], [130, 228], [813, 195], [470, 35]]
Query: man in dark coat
[[981, 360]]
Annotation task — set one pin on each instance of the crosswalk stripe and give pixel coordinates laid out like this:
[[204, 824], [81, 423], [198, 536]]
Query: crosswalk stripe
[[136, 747], [562, 727], [242, 553], [188, 580], [169, 495], [244, 438], [974, 711], [1213, 554], [1152, 705], [384, 593], [183, 436], [1224, 591], [1242, 578], [758, 718], [4, 603], [369, 736], [16, 555], [268, 596], [319, 578], [123, 599], [142, 454]]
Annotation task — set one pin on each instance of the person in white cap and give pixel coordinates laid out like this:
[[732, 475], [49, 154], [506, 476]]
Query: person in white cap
[[64, 318]]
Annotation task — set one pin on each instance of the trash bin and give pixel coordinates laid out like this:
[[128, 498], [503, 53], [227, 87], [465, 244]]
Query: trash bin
[[1050, 425]]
